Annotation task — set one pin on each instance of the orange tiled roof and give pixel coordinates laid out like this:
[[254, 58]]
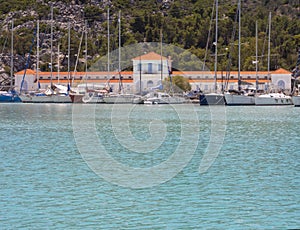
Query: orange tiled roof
[[28, 71], [152, 56], [65, 81], [278, 71], [229, 81], [282, 71]]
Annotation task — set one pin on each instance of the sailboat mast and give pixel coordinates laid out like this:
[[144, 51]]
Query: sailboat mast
[[161, 53], [269, 48], [216, 48], [85, 56], [119, 67], [37, 52], [51, 46], [108, 44], [58, 63], [239, 45], [119, 20], [256, 55], [12, 54], [69, 41]]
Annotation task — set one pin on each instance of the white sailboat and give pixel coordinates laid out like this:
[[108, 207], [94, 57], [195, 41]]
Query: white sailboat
[[121, 97], [162, 98], [296, 75], [55, 93], [239, 97], [214, 98], [277, 98], [10, 95]]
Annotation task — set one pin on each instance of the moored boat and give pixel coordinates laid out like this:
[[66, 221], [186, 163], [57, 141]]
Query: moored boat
[[273, 99], [93, 97], [113, 98], [9, 96], [212, 99], [233, 97], [163, 98]]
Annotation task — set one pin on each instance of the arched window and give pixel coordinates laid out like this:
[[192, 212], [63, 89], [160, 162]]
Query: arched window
[[149, 84], [281, 84]]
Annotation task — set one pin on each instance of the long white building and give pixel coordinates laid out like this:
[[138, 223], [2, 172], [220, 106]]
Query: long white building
[[148, 72]]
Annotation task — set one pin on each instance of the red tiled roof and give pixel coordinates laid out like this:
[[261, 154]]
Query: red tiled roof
[[278, 71], [28, 71], [152, 56]]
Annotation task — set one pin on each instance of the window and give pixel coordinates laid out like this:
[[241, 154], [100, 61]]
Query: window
[[281, 84], [159, 68], [149, 84], [150, 68], [139, 67]]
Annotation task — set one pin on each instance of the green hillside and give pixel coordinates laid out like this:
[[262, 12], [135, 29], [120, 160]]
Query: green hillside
[[183, 23]]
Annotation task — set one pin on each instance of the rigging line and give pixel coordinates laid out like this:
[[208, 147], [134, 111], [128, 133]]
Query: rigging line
[[229, 63], [264, 44], [208, 36], [76, 63], [28, 60]]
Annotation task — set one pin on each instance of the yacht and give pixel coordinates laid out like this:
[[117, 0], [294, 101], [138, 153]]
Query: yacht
[[9, 96], [58, 95], [94, 96], [244, 97], [273, 99], [162, 98], [122, 98], [212, 99]]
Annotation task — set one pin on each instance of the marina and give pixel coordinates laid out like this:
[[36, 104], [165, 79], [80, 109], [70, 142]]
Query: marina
[[149, 114]]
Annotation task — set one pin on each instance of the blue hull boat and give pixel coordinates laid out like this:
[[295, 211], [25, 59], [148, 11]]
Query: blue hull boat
[[9, 97]]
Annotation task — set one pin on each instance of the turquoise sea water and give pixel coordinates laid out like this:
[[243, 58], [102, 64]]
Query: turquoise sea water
[[46, 182]]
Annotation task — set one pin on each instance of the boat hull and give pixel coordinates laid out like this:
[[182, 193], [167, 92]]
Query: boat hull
[[8, 98], [296, 100], [232, 99], [76, 98], [164, 101], [212, 99], [123, 99], [92, 98], [273, 100], [46, 99]]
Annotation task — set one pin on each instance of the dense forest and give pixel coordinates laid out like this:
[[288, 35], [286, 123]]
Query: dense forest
[[188, 24]]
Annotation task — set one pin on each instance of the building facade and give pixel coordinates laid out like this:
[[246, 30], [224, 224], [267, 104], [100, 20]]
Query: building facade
[[149, 70]]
